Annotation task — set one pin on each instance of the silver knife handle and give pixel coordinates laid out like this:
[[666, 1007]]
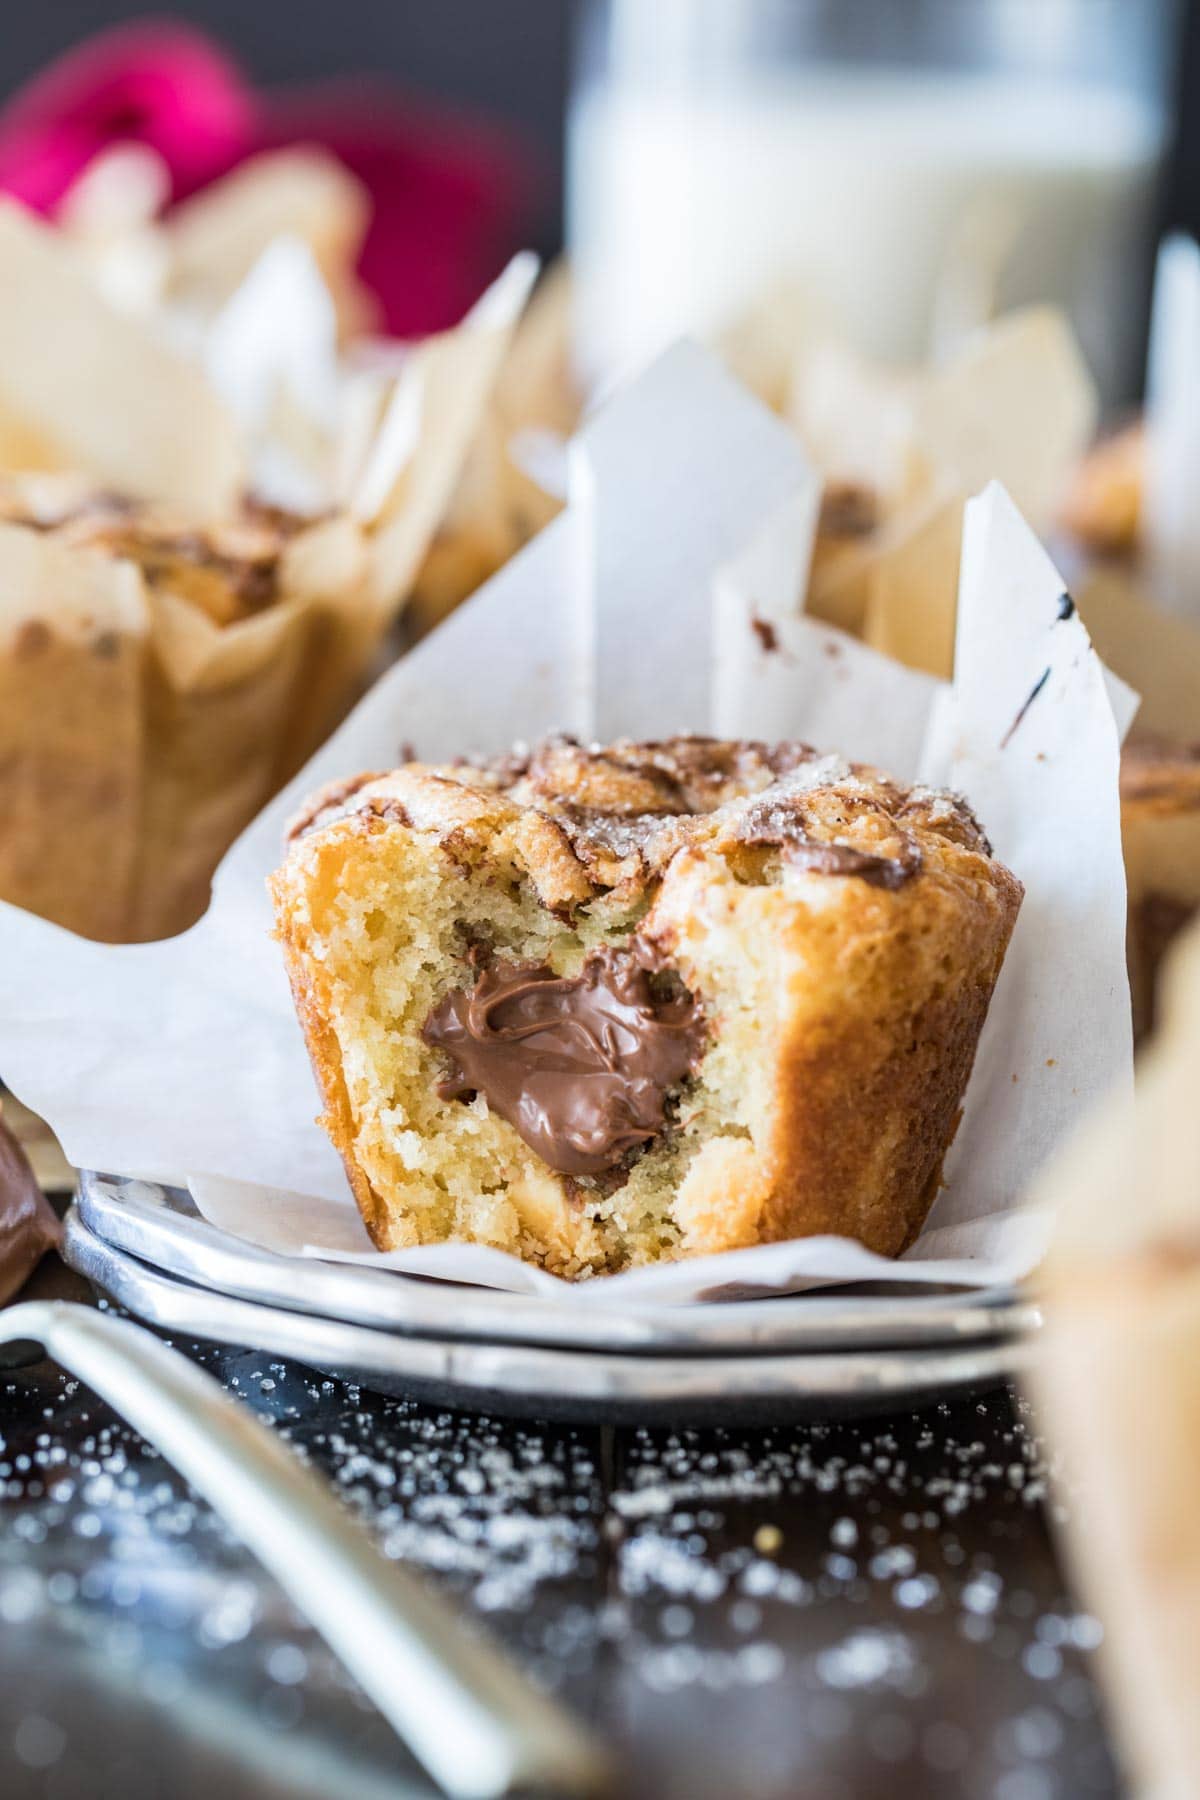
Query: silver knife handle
[[468, 1715]]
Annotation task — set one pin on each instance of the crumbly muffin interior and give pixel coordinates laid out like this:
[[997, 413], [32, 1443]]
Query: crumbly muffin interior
[[400, 889], [396, 935]]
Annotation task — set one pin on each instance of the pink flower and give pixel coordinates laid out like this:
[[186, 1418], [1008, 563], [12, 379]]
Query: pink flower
[[158, 84], [451, 196]]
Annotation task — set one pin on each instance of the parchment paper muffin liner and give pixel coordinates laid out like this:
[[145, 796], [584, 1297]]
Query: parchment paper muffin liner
[[147, 256], [1014, 404], [1015, 400], [510, 486], [642, 610], [138, 734], [1159, 654], [898, 450]]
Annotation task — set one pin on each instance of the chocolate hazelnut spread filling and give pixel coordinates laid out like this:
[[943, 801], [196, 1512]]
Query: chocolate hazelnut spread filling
[[842, 859], [779, 822], [581, 1066], [28, 1227]]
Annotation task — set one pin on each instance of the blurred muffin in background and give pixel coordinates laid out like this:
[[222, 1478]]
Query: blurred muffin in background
[[204, 542]]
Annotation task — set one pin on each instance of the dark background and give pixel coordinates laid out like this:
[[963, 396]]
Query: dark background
[[508, 57]]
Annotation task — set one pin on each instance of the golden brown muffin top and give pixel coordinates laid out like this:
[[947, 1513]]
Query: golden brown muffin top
[[587, 819], [1158, 776], [1104, 506], [229, 568]]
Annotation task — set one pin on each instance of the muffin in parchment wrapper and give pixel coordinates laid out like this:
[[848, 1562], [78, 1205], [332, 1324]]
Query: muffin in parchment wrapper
[[1158, 653], [901, 598], [1116, 1378], [899, 451], [903, 450], [1102, 509], [171, 651], [1109, 516], [908, 613]]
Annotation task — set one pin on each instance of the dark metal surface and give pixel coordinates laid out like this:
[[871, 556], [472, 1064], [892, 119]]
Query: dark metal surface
[[821, 1610]]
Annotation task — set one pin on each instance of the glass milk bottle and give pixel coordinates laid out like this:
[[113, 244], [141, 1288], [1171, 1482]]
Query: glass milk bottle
[[917, 165]]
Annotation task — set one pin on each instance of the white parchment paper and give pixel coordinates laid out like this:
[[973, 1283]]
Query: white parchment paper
[[642, 609]]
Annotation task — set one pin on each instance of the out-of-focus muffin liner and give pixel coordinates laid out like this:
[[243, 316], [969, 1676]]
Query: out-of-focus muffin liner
[[137, 736], [498, 505], [1014, 403]]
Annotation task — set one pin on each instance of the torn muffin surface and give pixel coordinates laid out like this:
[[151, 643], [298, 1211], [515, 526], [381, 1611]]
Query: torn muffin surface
[[601, 1006]]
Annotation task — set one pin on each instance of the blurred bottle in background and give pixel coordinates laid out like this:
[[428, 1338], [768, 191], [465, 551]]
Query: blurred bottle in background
[[916, 165]]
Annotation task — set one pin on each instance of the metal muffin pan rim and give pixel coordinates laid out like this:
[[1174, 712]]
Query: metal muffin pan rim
[[159, 1232], [540, 1382]]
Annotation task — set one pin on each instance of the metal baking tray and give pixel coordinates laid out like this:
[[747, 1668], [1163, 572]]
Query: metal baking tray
[[553, 1382], [161, 1226]]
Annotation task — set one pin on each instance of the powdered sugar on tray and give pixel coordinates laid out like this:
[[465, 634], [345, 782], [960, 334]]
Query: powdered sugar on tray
[[837, 1566]]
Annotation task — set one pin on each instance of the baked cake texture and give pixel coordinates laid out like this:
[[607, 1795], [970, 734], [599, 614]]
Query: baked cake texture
[[1103, 507], [601, 1007], [229, 569], [162, 674]]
